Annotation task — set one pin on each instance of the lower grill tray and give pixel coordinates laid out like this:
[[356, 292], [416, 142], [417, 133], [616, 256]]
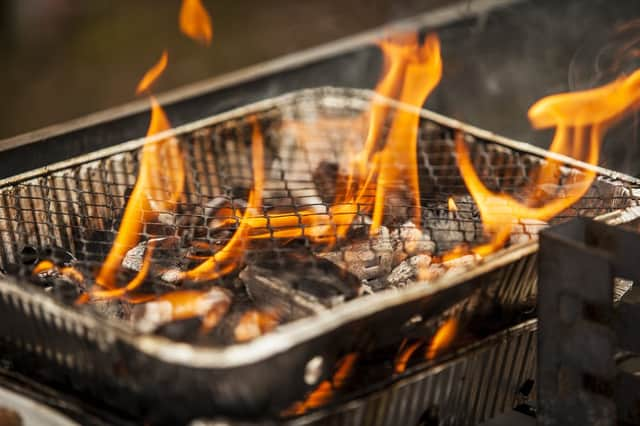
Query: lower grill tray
[[154, 377]]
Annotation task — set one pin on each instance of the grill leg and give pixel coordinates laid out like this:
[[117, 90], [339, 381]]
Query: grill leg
[[580, 331]]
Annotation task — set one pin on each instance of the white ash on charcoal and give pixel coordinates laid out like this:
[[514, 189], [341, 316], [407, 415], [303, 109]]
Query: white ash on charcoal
[[168, 259], [373, 258], [524, 230], [398, 207], [369, 259], [165, 254], [408, 240], [112, 308], [46, 277], [455, 266], [209, 306], [245, 321], [422, 268], [408, 270], [449, 228]]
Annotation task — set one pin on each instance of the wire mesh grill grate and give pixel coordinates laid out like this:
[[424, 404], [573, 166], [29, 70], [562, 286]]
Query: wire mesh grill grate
[[78, 208]]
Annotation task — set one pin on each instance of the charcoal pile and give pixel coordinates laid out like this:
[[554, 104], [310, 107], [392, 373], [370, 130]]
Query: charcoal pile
[[279, 270]]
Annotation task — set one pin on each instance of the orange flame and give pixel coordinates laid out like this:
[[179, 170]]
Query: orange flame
[[210, 305], [403, 359], [452, 205], [443, 338], [412, 72], [158, 188], [324, 392], [230, 256], [398, 161], [580, 119], [153, 73], [191, 303], [195, 21]]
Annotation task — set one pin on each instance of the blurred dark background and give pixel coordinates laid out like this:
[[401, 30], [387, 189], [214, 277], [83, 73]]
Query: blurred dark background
[[64, 59]]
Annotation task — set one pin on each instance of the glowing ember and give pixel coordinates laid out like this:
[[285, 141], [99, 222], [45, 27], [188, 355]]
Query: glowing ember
[[48, 267], [254, 323], [345, 367], [43, 266], [452, 205], [195, 21]]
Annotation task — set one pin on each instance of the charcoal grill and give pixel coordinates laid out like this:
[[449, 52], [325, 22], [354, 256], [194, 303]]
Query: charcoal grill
[[110, 361]]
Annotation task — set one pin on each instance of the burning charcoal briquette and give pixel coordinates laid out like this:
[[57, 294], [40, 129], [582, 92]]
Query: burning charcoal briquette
[[64, 290], [220, 210], [408, 241], [208, 305], [458, 265], [46, 277], [526, 230], [370, 260], [409, 270], [212, 207], [306, 273], [421, 268], [254, 323], [134, 257], [165, 255], [449, 228]]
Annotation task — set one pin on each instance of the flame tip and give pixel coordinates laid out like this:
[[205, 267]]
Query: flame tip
[[152, 75], [195, 22]]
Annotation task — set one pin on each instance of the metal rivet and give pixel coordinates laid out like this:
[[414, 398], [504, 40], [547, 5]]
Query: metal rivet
[[313, 370]]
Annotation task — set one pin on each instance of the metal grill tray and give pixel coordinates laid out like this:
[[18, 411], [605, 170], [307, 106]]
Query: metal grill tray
[[469, 387], [148, 375]]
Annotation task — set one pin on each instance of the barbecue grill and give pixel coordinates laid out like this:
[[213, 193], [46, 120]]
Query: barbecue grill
[[73, 207]]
